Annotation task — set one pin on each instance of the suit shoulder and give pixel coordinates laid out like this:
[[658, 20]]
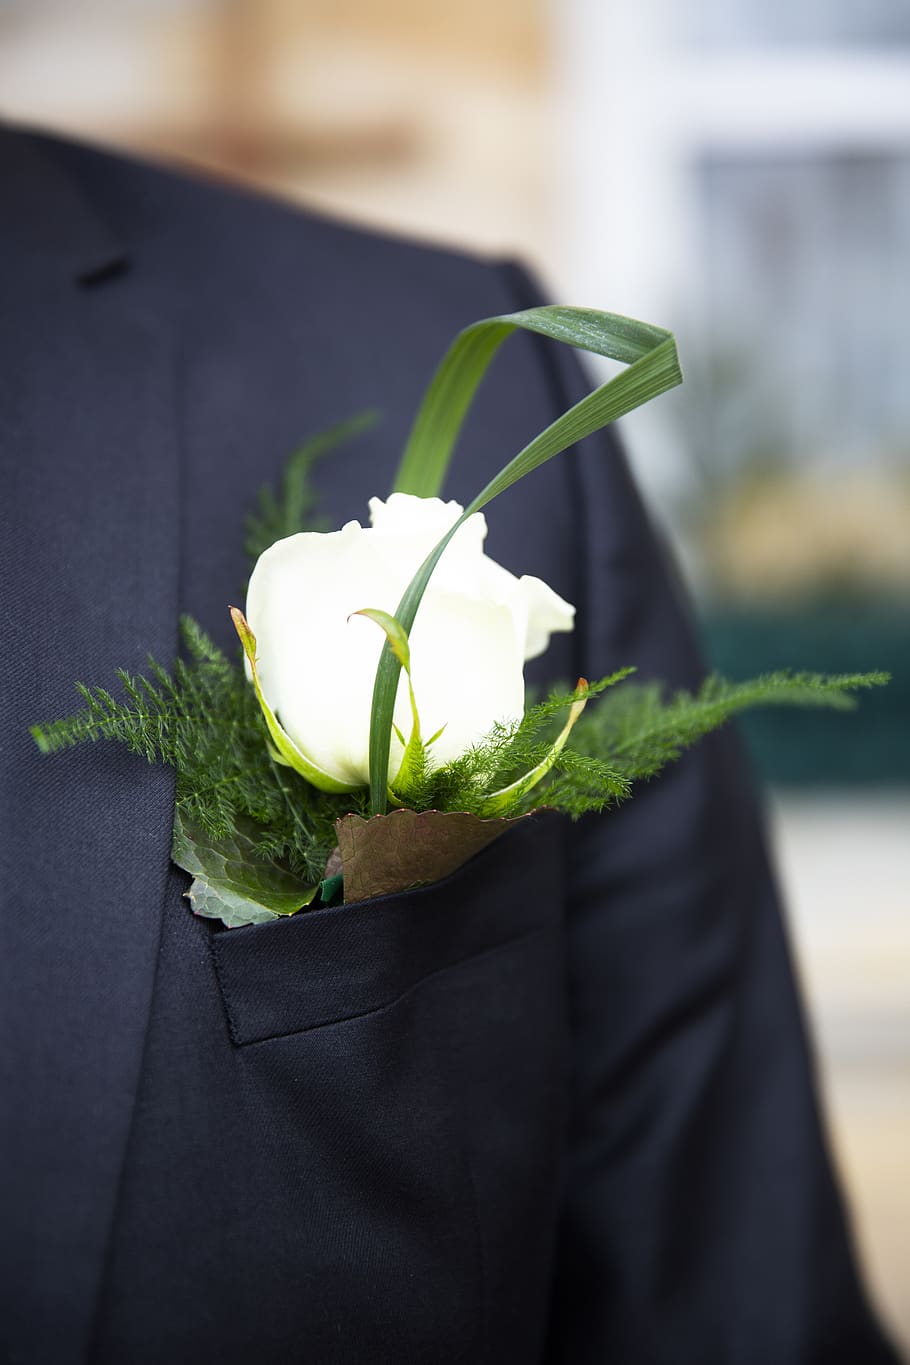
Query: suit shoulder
[[214, 225]]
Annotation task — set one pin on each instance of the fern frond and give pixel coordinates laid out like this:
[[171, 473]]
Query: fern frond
[[293, 508], [202, 719], [638, 732], [511, 750]]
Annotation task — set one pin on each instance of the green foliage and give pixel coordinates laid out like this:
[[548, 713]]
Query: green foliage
[[508, 752], [203, 720], [640, 731], [293, 508], [230, 882], [627, 735]]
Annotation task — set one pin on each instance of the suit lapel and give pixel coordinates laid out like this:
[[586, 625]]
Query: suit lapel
[[88, 450]]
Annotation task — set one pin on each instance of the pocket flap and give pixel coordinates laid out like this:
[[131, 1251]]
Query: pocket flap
[[322, 966]]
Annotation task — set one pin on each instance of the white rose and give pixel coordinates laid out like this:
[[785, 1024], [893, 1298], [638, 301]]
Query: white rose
[[476, 625]]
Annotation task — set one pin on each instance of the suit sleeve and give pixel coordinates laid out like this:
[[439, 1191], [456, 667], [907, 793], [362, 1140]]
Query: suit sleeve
[[701, 1221]]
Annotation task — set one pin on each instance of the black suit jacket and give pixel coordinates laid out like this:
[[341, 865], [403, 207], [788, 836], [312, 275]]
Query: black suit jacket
[[557, 1109]]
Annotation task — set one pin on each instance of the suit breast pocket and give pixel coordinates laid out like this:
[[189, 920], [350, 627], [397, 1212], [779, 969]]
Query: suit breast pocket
[[323, 966], [414, 1045]]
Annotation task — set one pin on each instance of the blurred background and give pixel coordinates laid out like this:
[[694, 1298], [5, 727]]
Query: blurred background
[[738, 170]]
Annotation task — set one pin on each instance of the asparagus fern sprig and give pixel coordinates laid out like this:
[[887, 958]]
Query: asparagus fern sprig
[[202, 719]]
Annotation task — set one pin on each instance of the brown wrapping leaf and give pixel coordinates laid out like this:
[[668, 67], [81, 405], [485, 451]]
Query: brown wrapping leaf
[[404, 849]]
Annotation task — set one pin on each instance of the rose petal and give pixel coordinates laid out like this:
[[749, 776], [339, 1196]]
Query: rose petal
[[547, 613], [316, 666], [466, 668]]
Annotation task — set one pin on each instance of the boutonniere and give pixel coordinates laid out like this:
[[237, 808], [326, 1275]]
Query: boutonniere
[[373, 733]]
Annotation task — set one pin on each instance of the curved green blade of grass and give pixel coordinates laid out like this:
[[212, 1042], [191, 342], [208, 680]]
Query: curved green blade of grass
[[653, 367], [452, 389]]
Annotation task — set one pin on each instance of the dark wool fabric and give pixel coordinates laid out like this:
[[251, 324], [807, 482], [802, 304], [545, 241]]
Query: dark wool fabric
[[557, 1110]]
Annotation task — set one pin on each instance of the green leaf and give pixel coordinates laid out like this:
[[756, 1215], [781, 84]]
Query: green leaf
[[414, 759], [649, 351], [653, 368], [394, 633], [230, 883]]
